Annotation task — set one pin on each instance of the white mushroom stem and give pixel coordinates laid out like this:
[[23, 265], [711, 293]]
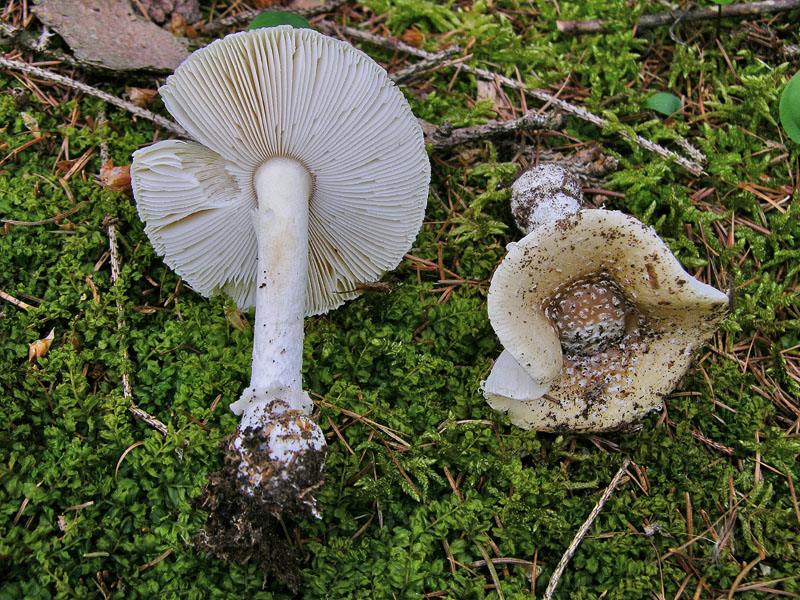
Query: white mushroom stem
[[283, 187], [276, 433]]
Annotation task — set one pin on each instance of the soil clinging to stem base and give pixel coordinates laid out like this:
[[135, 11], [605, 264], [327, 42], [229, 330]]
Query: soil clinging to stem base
[[248, 523]]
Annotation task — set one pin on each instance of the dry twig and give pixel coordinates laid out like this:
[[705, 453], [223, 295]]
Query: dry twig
[[436, 60], [113, 250], [111, 230], [551, 586], [92, 91], [577, 111], [685, 16], [444, 137], [18, 303]]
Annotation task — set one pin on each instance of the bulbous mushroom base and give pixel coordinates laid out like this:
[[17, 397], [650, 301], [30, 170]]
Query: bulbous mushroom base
[[281, 462], [273, 467]]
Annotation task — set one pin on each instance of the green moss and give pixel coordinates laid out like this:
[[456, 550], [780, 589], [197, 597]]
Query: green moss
[[430, 473]]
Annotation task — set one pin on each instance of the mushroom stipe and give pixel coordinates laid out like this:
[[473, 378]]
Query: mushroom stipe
[[309, 176]]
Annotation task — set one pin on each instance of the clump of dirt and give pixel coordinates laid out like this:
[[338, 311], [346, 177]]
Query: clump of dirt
[[249, 523]]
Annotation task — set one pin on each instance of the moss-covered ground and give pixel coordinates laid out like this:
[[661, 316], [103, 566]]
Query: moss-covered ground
[[424, 480]]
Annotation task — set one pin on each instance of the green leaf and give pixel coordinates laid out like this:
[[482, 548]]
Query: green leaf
[[790, 108], [664, 103], [273, 18]]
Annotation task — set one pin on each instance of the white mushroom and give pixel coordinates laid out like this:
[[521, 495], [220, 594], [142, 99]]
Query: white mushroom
[[598, 321], [310, 176]]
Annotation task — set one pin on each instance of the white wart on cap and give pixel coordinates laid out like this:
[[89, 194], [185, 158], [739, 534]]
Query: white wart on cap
[[598, 321]]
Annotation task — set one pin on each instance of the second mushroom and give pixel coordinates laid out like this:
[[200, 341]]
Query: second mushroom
[[597, 317]]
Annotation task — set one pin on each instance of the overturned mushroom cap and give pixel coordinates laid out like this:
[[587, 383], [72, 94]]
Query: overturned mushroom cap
[[295, 93], [598, 320]]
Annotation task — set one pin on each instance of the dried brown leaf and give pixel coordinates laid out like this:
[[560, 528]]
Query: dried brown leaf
[[116, 178], [142, 97], [40, 347]]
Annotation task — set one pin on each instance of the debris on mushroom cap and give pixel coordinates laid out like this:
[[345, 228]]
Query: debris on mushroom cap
[[301, 95], [545, 193], [667, 315]]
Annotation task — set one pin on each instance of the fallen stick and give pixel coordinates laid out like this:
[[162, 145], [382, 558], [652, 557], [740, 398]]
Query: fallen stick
[[92, 91], [444, 137], [18, 303], [427, 64], [581, 113], [684, 16], [113, 251], [111, 231], [551, 586]]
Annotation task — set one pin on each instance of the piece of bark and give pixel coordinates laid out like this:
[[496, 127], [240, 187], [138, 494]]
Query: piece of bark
[[108, 35]]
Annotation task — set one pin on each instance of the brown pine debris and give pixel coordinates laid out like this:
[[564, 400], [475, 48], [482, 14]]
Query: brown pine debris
[[218, 25]]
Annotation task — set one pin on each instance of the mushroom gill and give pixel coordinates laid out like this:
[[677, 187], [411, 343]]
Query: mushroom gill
[[600, 319]]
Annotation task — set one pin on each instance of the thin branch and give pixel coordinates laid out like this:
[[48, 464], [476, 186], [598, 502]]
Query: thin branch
[[543, 96], [162, 122], [435, 61], [334, 30], [113, 250], [551, 586], [14, 301], [698, 14], [218, 25], [444, 137], [58, 217]]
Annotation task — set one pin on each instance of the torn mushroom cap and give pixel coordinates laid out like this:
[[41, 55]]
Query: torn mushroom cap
[[548, 383], [283, 92]]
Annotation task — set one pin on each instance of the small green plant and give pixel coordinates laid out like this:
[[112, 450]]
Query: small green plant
[[790, 108], [273, 18], [664, 103]]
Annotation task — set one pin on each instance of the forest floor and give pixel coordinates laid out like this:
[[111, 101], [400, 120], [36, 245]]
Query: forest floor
[[430, 493]]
